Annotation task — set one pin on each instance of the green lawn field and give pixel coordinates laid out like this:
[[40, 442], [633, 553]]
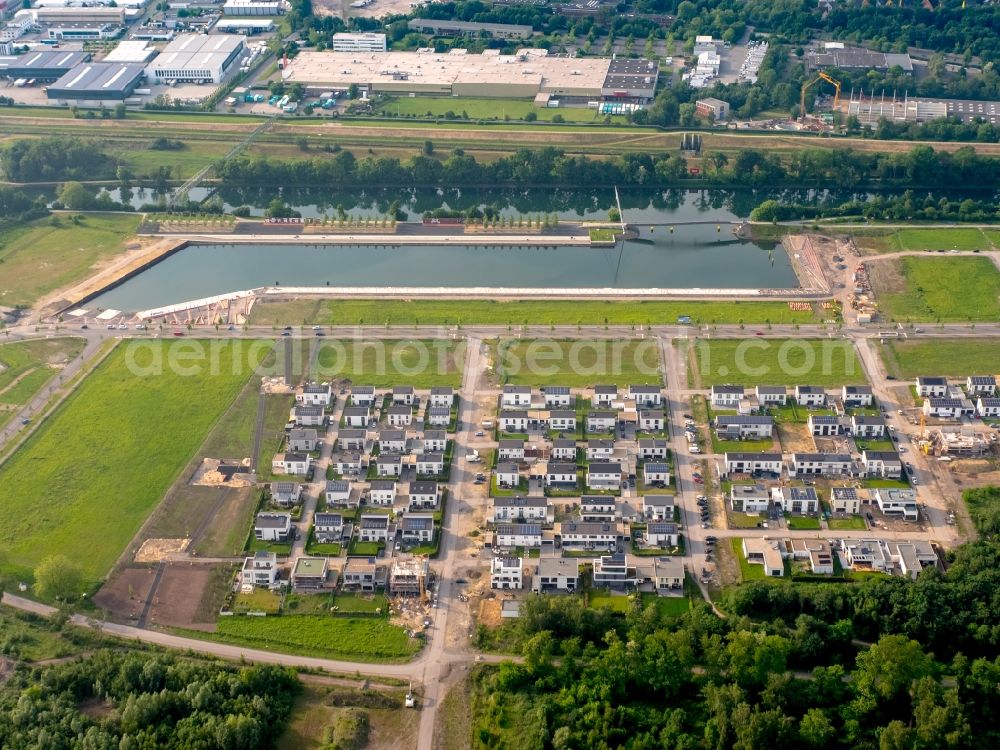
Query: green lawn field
[[383, 363], [851, 523], [26, 366], [950, 238], [748, 571], [751, 362], [957, 357], [485, 109], [86, 480], [946, 289], [362, 639], [576, 363], [516, 313], [41, 257]]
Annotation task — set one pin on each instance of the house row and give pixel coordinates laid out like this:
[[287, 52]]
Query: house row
[[772, 554], [908, 558], [931, 386], [593, 508], [885, 464], [858, 426], [617, 571], [555, 396], [420, 495], [402, 395], [736, 397], [755, 498]]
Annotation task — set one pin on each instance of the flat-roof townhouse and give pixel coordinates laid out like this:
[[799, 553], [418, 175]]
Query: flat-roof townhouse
[[897, 502], [749, 498], [795, 499], [764, 552], [556, 574], [506, 572], [260, 570]]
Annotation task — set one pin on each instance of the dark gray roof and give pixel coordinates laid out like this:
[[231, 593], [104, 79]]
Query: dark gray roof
[[556, 390], [374, 521], [749, 419], [744, 456], [561, 468], [662, 528], [822, 457], [728, 389], [604, 468], [283, 488], [272, 520], [885, 456], [423, 488], [587, 527], [382, 484], [521, 502], [391, 435], [328, 519], [417, 523], [337, 485], [932, 380], [520, 528], [656, 468]]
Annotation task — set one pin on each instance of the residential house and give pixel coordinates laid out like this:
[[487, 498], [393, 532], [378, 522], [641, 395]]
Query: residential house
[[424, 496], [821, 464], [753, 463], [948, 408], [434, 441], [855, 396], [430, 464], [402, 395], [348, 463], [518, 535], [399, 415], [442, 396], [764, 552], [513, 421], [520, 509], [601, 421], [382, 492], [515, 395], [605, 395], [564, 449], [866, 554], [658, 507], [845, 500], [726, 396], [598, 508], [389, 465], [310, 573], [562, 420], [614, 572], [655, 474], [351, 439], [438, 416], [744, 427], [816, 551], [885, 464], [357, 416], [911, 557], [646, 395], [338, 492], [291, 464], [558, 397], [314, 394], [651, 449], [506, 572], [826, 426], [600, 449], [392, 441], [604, 475], [511, 451], [328, 527], [303, 440], [981, 385], [795, 499], [260, 570], [668, 575], [870, 427], [560, 474], [556, 574], [373, 527], [810, 395], [772, 395], [272, 527], [897, 502], [309, 416], [988, 407], [361, 574], [408, 577], [286, 493], [749, 498], [652, 421], [418, 528], [507, 475], [363, 395], [588, 534], [662, 535], [932, 387]]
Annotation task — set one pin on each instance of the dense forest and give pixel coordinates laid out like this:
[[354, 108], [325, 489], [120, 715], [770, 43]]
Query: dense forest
[[885, 664], [114, 700]]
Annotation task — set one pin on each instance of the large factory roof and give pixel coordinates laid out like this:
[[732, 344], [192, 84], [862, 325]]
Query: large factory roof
[[631, 74], [103, 80], [437, 69], [198, 51], [48, 60]]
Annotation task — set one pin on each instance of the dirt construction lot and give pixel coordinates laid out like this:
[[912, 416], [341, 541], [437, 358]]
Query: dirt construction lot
[[176, 602]]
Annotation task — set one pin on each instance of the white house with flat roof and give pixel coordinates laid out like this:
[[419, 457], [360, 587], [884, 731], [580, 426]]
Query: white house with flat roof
[[506, 572]]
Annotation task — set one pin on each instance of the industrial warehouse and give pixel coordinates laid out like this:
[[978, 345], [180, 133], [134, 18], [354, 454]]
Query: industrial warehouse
[[199, 58], [41, 66], [523, 75], [97, 82]]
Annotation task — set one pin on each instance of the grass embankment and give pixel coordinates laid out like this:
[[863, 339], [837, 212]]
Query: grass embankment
[[952, 358], [50, 253], [576, 363], [420, 363], [396, 312], [86, 480], [939, 289], [26, 367], [751, 362], [950, 238], [486, 109]]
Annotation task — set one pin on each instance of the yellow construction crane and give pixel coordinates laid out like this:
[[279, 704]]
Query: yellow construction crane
[[821, 76]]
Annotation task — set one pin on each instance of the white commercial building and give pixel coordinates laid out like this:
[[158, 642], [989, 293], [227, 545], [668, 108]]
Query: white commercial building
[[198, 58], [360, 42], [253, 8]]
